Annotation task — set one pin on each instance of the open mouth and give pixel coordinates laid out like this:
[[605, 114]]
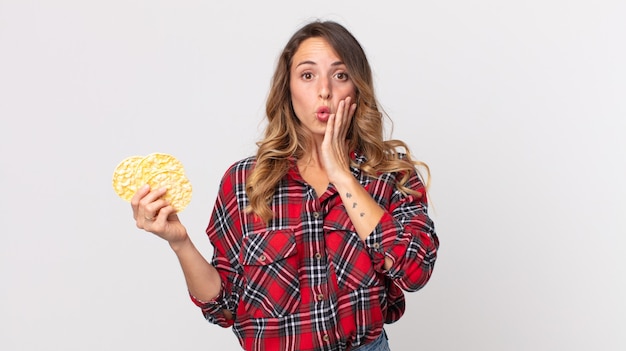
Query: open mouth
[[322, 113]]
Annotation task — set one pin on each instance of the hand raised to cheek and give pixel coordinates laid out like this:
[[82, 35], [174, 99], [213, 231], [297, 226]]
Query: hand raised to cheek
[[334, 153]]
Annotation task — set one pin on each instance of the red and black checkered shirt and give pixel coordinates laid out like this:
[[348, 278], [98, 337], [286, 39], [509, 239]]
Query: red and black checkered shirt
[[306, 281]]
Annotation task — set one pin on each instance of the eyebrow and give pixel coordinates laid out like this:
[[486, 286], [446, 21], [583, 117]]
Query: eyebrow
[[309, 62]]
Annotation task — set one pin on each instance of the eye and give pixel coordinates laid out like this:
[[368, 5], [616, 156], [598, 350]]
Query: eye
[[342, 75], [306, 75]]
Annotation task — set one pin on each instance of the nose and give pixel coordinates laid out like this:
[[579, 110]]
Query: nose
[[324, 89]]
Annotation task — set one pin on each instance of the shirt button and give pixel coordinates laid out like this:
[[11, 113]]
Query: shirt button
[[376, 245], [318, 255], [316, 215], [325, 337], [320, 297], [262, 258]]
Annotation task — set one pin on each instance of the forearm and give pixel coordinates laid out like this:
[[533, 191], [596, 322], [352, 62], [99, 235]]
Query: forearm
[[363, 211], [203, 280]]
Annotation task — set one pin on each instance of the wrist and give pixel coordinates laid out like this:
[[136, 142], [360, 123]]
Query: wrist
[[181, 244], [343, 180]]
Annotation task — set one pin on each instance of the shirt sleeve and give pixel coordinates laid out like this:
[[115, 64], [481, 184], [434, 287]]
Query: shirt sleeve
[[405, 234], [224, 232], [213, 310]]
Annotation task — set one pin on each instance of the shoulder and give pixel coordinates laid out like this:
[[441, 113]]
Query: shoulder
[[392, 164], [234, 178], [243, 165], [238, 171], [400, 168]]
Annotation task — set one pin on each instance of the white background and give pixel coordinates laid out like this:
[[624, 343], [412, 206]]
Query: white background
[[518, 107]]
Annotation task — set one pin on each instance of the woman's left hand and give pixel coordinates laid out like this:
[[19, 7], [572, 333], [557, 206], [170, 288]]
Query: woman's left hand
[[334, 153]]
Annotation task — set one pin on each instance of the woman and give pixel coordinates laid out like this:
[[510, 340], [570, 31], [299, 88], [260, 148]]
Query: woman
[[317, 235]]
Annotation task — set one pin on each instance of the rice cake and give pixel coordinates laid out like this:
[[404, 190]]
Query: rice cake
[[157, 170]]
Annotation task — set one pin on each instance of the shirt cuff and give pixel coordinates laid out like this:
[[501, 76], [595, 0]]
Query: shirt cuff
[[217, 300], [378, 245], [213, 310]]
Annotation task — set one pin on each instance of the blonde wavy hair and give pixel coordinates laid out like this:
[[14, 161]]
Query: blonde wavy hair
[[285, 138]]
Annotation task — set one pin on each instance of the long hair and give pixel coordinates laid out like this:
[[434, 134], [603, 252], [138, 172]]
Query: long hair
[[284, 138]]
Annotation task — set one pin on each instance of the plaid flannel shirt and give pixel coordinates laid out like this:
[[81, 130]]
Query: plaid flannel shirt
[[306, 281]]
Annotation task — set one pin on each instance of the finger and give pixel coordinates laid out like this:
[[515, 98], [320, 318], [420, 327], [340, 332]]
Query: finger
[[351, 112], [330, 127], [151, 211], [347, 112], [134, 201], [148, 217], [159, 223], [350, 109], [165, 213], [152, 196], [149, 205], [338, 120]]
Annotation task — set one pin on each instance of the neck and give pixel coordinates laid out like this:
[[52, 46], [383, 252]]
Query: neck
[[310, 160], [310, 157]]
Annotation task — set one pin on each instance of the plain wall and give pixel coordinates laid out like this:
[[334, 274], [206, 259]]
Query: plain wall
[[518, 108]]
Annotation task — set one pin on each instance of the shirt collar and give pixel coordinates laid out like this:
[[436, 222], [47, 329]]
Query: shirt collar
[[355, 168]]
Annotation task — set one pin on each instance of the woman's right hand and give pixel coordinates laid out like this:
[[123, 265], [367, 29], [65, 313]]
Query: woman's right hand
[[153, 214]]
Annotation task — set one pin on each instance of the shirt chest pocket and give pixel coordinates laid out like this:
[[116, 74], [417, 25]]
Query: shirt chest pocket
[[350, 261], [270, 265]]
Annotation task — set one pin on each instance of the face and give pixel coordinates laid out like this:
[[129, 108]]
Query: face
[[319, 81]]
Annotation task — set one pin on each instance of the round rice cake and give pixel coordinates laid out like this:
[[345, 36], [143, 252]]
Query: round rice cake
[[124, 182], [178, 187], [154, 163], [157, 170]]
